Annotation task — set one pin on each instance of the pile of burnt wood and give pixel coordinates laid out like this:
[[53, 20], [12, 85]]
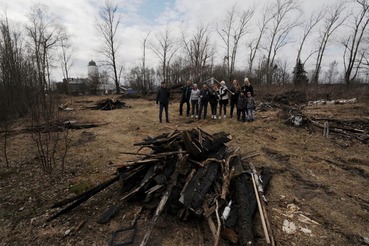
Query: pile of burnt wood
[[193, 173], [110, 104]]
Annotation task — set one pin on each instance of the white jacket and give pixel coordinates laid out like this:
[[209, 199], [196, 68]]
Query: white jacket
[[223, 93], [195, 94]]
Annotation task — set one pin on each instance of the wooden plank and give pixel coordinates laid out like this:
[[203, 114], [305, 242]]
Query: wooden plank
[[173, 181]]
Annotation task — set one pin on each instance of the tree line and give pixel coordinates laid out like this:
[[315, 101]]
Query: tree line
[[265, 31]]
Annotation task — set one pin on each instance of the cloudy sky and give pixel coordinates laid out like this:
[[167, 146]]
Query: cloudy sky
[[142, 16]]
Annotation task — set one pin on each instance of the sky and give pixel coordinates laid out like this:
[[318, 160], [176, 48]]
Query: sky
[[143, 16]]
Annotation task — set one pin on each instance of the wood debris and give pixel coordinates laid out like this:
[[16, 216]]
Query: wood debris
[[110, 104], [191, 173]]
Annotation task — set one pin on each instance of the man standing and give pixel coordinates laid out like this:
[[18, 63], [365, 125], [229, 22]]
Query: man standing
[[186, 94], [163, 98], [204, 100]]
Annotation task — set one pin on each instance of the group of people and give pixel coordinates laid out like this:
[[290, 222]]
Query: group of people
[[241, 97]]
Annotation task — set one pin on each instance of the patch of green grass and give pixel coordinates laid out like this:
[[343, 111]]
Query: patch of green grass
[[80, 188]]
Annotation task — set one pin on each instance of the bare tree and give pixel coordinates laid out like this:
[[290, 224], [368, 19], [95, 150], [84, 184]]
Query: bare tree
[[14, 78], [254, 45], [144, 57], [199, 50], [278, 33], [165, 47], [281, 74], [231, 29], [354, 52], [314, 19], [45, 34], [66, 56], [107, 26], [333, 19], [332, 73]]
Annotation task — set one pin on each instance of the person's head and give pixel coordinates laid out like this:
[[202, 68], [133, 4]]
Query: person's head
[[248, 94], [188, 82], [242, 93], [246, 81], [235, 82], [205, 86], [215, 87], [163, 84], [195, 86], [222, 83]]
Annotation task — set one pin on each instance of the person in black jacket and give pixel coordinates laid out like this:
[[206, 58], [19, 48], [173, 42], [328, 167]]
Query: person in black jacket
[[163, 98], [186, 95], [247, 87], [204, 100], [214, 98], [235, 91]]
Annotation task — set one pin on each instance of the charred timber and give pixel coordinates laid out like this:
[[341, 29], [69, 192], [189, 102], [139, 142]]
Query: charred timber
[[247, 205], [201, 183]]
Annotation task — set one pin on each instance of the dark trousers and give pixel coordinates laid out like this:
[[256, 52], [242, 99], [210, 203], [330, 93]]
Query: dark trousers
[[243, 112], [220, 109], [205, 106], [233, 104], [181, 106], [214, 108], [195, 104], [165, 106]]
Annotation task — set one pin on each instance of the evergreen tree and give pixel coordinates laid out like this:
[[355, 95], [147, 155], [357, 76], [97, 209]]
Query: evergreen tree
[[300, 77]]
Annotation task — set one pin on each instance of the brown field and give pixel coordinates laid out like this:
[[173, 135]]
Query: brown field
[[313, 176]]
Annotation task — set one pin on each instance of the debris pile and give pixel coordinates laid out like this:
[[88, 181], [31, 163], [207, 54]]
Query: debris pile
[[266, 106], [65, 106], [348, 128], [193, 173], [290, 98], [330, 102], [110, 104]]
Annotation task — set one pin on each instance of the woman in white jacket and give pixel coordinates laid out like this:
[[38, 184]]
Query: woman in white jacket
[[223, 99], [195, 95]]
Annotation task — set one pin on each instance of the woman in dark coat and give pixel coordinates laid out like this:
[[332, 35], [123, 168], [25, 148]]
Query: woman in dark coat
[[247, 87], [235, 91], [214, 98]]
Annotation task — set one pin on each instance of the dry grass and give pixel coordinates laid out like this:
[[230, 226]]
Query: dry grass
[[326, 181]]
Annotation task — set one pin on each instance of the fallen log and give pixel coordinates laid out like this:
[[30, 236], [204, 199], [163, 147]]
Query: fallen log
[[247, 205], [84, 198], [201, 183], [92, 191]]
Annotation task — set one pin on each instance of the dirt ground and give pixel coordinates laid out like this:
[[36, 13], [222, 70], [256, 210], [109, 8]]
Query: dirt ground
[[319, 185]]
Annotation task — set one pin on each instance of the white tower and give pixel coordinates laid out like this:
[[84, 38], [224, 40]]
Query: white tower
[[93, 70]]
